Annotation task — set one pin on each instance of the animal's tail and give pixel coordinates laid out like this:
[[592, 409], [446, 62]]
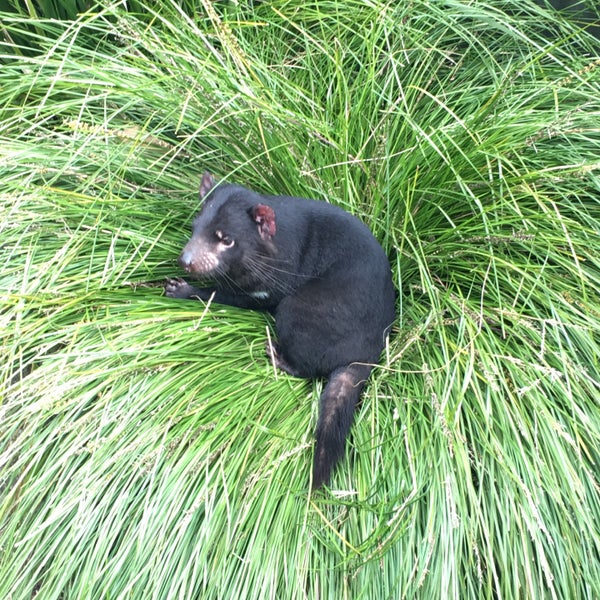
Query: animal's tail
[[336, 413]]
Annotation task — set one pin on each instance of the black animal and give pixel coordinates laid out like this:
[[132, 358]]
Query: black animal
[[319, 270]]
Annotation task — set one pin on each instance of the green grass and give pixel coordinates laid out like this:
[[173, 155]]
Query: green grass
[[147, 450]]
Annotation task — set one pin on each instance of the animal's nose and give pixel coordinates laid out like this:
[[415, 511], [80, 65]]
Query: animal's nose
[[185, 260]]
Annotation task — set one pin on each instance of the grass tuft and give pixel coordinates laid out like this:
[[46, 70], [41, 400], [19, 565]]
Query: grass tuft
[[146, 448]]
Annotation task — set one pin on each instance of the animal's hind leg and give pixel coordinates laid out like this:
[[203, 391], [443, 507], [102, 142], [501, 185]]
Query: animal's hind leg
[[274, 354]]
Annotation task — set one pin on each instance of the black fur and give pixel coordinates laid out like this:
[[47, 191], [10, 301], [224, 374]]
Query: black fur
[[323, 275]]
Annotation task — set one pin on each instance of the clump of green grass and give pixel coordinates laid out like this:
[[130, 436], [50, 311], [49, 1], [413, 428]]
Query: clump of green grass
[[148, 450]]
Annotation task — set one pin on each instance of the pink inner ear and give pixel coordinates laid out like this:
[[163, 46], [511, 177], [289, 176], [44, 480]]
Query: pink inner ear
[[207, 184], [265, 217]]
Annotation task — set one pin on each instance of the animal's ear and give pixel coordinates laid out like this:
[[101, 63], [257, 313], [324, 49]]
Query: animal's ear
[[264, 216], [207, 184]]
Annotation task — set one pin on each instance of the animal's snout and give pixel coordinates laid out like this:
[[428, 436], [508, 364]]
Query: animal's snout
[[198, 258], [185, 260]]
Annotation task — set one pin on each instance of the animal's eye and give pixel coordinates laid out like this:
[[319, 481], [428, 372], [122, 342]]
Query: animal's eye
[[224, 239]]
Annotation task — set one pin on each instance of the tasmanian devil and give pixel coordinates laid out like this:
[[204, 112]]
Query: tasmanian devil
[[322, 274]]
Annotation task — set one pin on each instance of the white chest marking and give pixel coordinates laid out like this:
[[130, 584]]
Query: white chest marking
[[260, 295]]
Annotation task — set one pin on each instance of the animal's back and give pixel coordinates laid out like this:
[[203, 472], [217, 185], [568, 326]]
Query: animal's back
[[342, 313]]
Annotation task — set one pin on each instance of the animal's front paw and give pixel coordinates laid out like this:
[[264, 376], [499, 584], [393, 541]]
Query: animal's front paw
[[176, 287]]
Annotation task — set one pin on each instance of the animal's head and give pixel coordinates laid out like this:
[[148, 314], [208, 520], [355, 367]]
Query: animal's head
[[233, 227]]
